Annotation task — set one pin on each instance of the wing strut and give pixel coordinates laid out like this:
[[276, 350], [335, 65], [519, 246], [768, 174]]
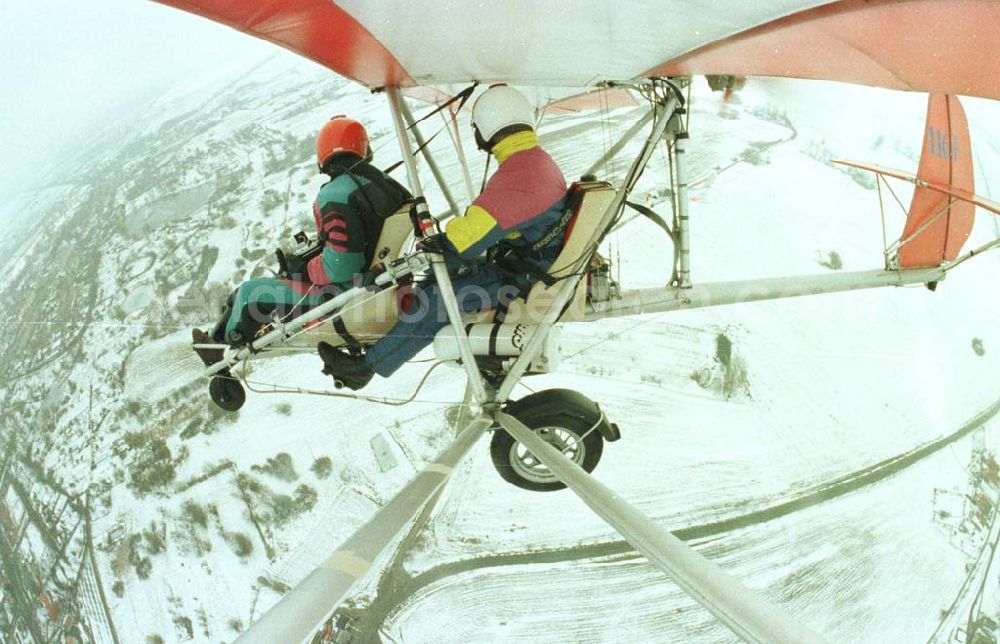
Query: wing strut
[[437, 262], [428, 157], [664, 115], [303, 611]]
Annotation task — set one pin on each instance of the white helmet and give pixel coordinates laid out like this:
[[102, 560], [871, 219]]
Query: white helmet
[[499, 107]]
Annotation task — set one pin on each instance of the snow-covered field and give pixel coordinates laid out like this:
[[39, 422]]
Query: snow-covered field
[[869, 567], [834, 384]]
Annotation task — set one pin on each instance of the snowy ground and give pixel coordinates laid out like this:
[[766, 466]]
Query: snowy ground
[[869, 567], [834, 384]]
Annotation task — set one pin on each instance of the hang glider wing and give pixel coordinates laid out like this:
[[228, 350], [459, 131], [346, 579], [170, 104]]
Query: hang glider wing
[[940, 46], [943, 46], [602, 99], [316, 29], [550, 100]]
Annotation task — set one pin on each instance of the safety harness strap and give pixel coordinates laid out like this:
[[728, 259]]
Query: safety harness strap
[[461, 97], [516, 261], [352, 343], [651, 214]]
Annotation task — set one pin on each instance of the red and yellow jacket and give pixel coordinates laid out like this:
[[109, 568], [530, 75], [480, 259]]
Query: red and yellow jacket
[[518, 205]]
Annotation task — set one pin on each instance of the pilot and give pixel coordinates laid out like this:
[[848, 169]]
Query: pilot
[[495, 241], [356, 195]]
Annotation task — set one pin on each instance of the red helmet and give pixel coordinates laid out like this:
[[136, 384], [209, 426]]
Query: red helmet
[[339, 135]]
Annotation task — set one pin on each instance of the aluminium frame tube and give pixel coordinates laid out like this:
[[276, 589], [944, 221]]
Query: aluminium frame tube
[[303, 610], [663, 113], [437, 262]]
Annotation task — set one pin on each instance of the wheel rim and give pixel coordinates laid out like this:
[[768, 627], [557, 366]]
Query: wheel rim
[[531, 469]]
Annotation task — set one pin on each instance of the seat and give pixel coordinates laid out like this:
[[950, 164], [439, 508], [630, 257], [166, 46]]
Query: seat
[[372, 319], [395, 230], [574, 258]]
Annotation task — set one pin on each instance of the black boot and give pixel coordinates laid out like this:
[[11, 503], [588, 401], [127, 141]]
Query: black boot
[[347, 370]]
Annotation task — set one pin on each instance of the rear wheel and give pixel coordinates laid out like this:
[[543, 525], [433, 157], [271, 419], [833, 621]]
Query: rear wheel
[[227, 392], [565, 425]]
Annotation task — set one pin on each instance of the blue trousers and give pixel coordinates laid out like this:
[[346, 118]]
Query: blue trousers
[[415, 330]]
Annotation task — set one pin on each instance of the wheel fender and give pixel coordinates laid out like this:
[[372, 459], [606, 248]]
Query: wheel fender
[[570, 402]]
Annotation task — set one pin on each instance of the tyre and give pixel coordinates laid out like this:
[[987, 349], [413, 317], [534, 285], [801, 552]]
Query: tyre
[[227, 393], [564, 419]]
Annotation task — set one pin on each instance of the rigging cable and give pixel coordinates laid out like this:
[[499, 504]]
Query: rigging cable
[[881, 212], [392, 402]]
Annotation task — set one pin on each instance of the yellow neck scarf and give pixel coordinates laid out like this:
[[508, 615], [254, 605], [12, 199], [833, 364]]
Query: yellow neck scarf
[[518, 142]]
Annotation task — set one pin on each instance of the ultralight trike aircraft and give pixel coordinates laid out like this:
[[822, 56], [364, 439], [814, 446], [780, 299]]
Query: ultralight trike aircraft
[[602, 50]]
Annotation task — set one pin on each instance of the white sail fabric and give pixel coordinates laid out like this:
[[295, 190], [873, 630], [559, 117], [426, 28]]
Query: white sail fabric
[[570, 43]]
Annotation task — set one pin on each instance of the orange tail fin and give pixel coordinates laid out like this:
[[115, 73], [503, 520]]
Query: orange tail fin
[[939, 228]]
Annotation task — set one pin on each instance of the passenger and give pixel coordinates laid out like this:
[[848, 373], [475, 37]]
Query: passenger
[[348, 214], [499, 235]]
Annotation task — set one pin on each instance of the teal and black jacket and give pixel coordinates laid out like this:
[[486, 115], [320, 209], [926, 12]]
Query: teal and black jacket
[[349, 211]]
